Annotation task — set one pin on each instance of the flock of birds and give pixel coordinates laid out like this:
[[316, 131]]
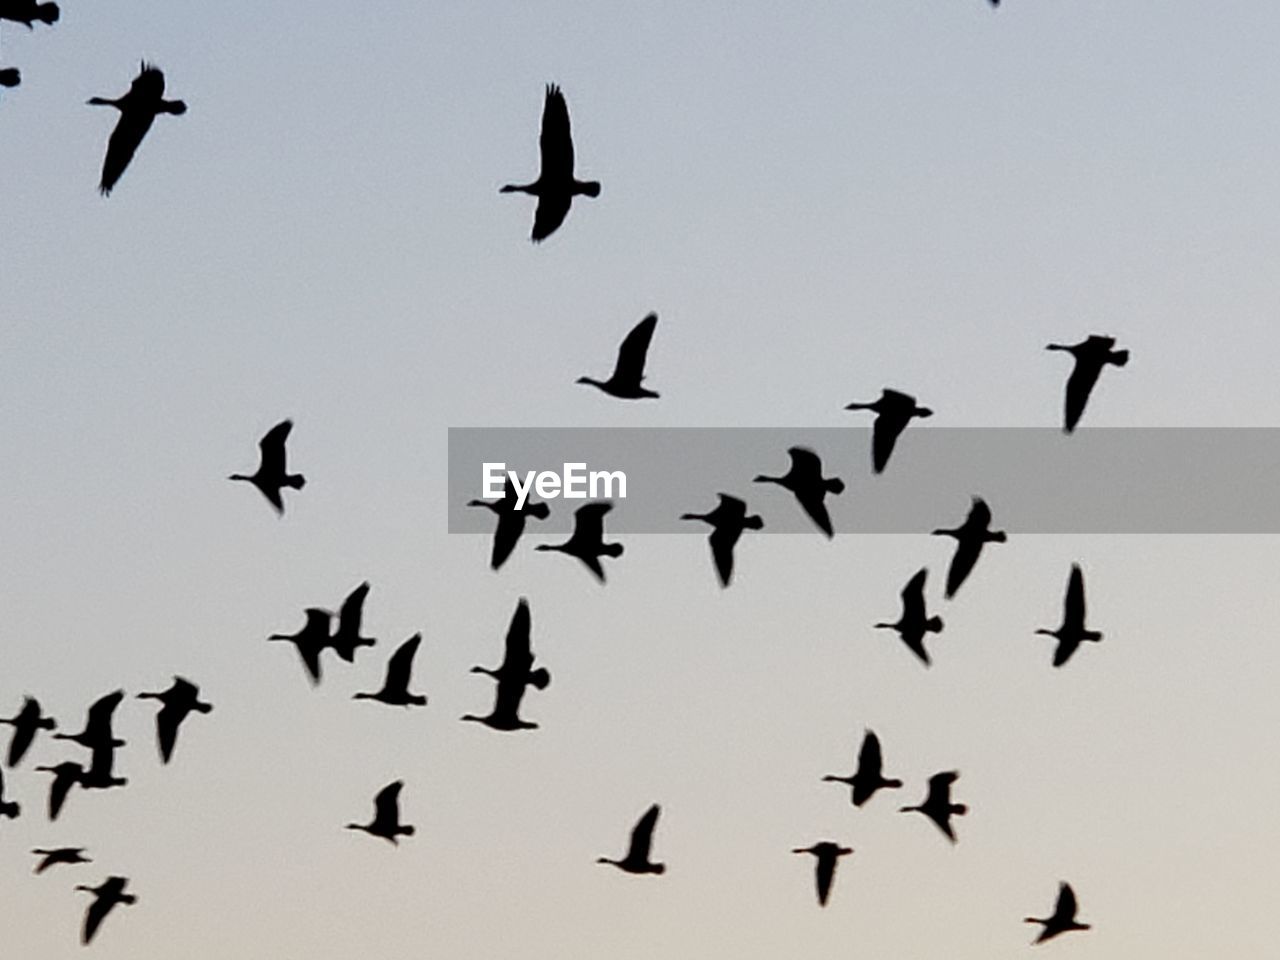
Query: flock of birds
[[555, 189]]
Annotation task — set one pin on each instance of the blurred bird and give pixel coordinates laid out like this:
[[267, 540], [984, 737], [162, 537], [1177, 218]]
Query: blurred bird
[[101, 772], [395, 688], [505, 715], [637, 858], [914, 623], [97, 733], [1091, 356], [106, 895], [26, 723], [970, 537], [138, 109], [937, 804], [51, 858], [893, 411], [272, 473], [176, 703], [517, 660], [347, 637], [10, 77], [1063, 918], [729, 519], [8, 808], [29, 12], [810, 487], [310, 640], [1073, 631], [869, 776], [828, 854], [556, 186], [587, 542], [65, 776], [511, 520], [386, 815], [628, 372]]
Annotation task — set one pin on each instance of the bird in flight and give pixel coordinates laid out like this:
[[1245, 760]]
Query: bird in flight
[[272, 474], [970, 538], [386, 815], [395, 688], [138, 110], [1091, 356], [937, 805], [810, 487], [1073, 632], [51, 858], [893, 412], [915, 623], [310, 640], [827, 854], [556, 186], [1063, 918], [106, 895], [637, 858], [587, 542], [869, 777], [346, 638], [517, 659], [29, 12], [26, 723], [728, 519], [176, 703], [628, 371], [511, 521], [65, 776], [97, 733]]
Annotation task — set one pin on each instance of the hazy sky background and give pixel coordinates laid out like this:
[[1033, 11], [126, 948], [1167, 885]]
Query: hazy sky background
[[819, 200]]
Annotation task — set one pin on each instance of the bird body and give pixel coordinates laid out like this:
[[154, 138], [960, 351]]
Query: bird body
[[386, 815], [26, 723], [1063, 918], [869, 777], [587, 541], [310, 640], [395, 688], [971, 536], [637, 859], [893, 411], [181, 699], [1091, 355], [1073, 631], [272, 474], [810, 487], [915, 623], [937, 805], [628, 372], [10, 77], [138, 110], [729, 519], [107, 895], [51, 858], [827, 854], [511, 521]]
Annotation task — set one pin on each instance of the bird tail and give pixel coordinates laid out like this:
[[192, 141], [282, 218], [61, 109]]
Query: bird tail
[[47, 13], [1120, 357], [890, 784], [128, 898], [407, 830], [10, 77], [959, 809], [753, 523], [539, 511], [934, 624], [540, 678], [835, 485], [591, 188], [9, 810], [611, 549], [297, 481]]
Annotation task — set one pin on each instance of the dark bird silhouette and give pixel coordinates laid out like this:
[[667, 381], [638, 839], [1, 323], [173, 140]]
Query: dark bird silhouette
[[505, 715], [106, 895], [587, 542], [893, 411], [310, 640], [729, 519], [8, 808], [101, 772], [1091, 356], [51, 858], [10, 77], [556, 186], [517, 660], [914, 622], [628, 372], [637, 858], [177, 702], [869, 777], [138, 109], [272, 474], [347, 637], [970, 537], [1063, 918], [65, 776], [511, 520], [386, 815], [1073, 632], [937, 804], [28, 721], [29, 12], [97, 733], [810, 487], [395, 688], [828, 854]]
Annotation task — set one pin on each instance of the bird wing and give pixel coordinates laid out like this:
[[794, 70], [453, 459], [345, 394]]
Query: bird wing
[[352, 612], [386, 805], [1073, 605], [642, 834], [518, 655], [272, 448], [723, 540], [167, 721], [813, 502], [979, 514], [98, 722], [556, 142], [130, 129], [913, 596], [634, 349], [23, 734], [58, 790], [505, 537], [966, 555], [1066, 647], [826, 871], [588, 521], [93, 917], [550, 213], [884, 434], [400, 666], [805, 463], [1066, 908], [869, 759], [1079, 386]]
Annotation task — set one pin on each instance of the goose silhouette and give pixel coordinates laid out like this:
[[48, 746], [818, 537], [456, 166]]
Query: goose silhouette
[[310, 640], [386, 815], [272, 474], [1072, 632], [138, 110], [869, 777], [51, 858], [893, 410], [176, 703], [517, 660], [915, 623], [395, 688], [587, 541], [511, 521], [1091, 355], [26, 724], [625, 381], [810, 487], [637, 858], [107, 895], [97, 733], [970, 538], [1063, 918], [346, 639], [827, 854], [937, 805], [65, 776], [729, 519]]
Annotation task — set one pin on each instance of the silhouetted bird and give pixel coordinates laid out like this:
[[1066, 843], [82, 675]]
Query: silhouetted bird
[[97, 732], [1091, 356], [970, 537], [729, 519], [310, 640], [179, 700], [272, 474], [65, 776], [8, 808], [106, 895], [637, 858], [869, 777], [101, 772], [10, 77], [395, 688], [1064, 916], [28, 721], [587, 542], [511, 521], [628, 372], [827, 854], [386, 815], [1073, 632], [51, 858], [914, 622], [893, 411], [810, 487], [138, 109], [505, 715], [517, 659], [556, 186], [347, 637], [937, 804], [29, 12]]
